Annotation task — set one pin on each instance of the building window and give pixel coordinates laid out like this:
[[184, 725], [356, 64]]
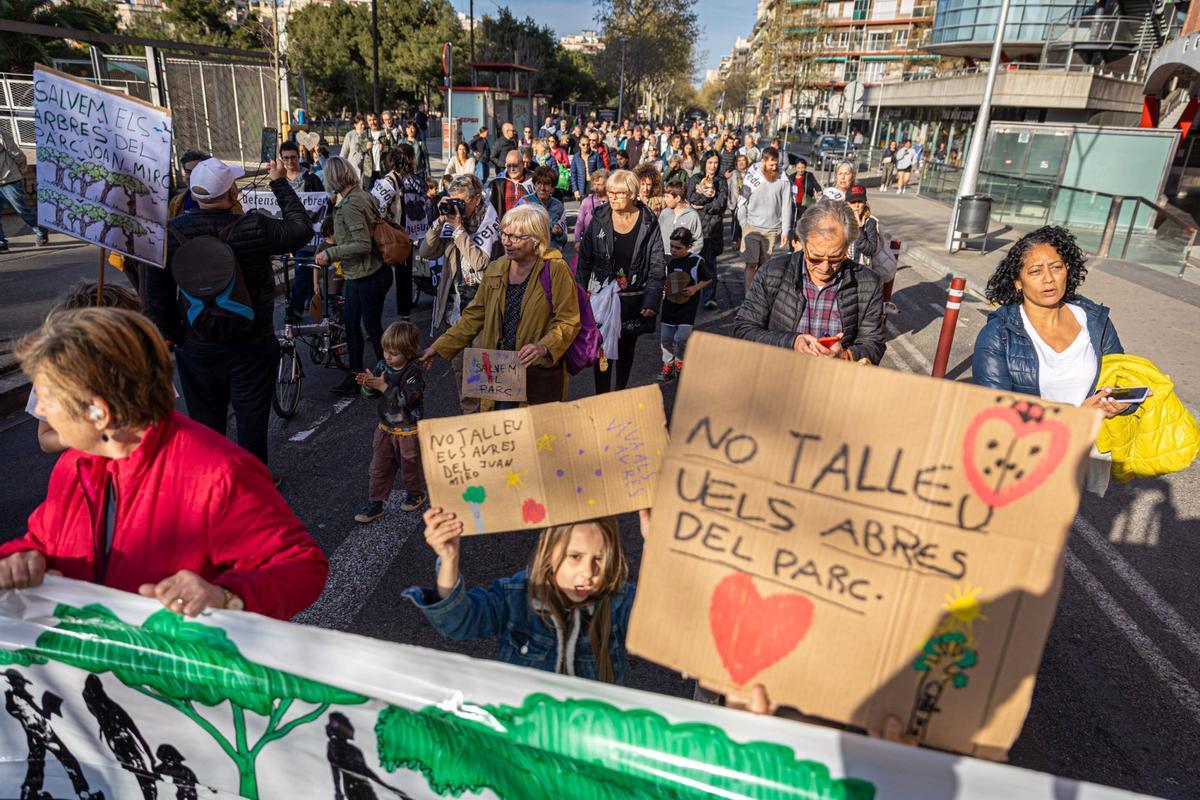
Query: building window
[[878, 41], [850, 71], [862, 9], [901, 38]]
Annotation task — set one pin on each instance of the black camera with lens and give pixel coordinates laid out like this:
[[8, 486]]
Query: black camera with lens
[[452, 206]]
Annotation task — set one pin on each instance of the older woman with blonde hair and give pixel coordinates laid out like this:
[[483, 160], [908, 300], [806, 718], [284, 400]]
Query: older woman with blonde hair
[[526, 303], [146, 500], [623, 245]]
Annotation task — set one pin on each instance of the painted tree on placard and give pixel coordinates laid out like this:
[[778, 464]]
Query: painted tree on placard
[[92, 173], [91, 214], [132, 227], [56, 200], [131, 186], [183, 664], [60, 160]]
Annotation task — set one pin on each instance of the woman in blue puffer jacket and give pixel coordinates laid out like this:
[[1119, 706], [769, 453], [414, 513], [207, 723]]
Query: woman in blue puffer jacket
[[1044, 339]]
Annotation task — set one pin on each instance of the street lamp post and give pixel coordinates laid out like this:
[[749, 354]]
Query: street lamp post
[[375, 56], [970, 176]]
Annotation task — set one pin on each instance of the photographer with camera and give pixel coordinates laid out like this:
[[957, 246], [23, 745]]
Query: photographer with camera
[[464, 233]]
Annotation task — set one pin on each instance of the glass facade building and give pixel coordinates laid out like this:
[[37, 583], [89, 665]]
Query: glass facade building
[[963, 23]]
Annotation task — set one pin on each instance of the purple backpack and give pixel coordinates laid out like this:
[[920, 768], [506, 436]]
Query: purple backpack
[[585, 350]]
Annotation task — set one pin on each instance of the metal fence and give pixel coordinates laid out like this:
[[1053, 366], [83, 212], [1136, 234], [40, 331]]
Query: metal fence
[[220, 107]]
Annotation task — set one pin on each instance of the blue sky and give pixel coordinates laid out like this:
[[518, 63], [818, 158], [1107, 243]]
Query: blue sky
[[721, 21]]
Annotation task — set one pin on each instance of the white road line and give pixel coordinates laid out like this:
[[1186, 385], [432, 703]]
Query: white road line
[[1184, 692], [904, 344], [338, 408], [357, 566], [1161, 608]]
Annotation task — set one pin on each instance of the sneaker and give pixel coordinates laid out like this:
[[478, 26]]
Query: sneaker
[[43, 239], [3, 247], [372, 511], [678, 368], [347, 387], [710, 305], [412, 501], [668, 373]]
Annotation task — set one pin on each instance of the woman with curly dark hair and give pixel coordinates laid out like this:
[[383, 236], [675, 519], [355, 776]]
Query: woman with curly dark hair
[[1045, 339]]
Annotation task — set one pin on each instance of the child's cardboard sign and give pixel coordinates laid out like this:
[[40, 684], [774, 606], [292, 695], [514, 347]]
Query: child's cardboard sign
[[493, 374], [547, 464], [863, 542]]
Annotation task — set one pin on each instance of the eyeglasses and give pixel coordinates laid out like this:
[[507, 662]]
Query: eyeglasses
[[515, 238], [292, 157], [618, 194]]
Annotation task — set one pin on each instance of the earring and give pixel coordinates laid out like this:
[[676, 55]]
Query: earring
[[104, 437]]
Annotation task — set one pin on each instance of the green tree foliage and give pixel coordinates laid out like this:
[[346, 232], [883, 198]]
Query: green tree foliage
[[335, 76], [183, 664], [411, 35], [589, 750], [563, 75], [655, 39], [19, 51]]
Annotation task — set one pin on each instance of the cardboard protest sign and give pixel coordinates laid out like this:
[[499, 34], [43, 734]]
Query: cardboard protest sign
[[493, 374], [863, 542], [547, 464], [108, 694], [315, 203], [103, 165]]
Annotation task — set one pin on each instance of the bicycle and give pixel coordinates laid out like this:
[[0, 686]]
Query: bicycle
[[326, 342]]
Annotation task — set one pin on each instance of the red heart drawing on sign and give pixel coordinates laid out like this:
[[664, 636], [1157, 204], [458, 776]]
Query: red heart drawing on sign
[[533, 512], [753, 632], [1022, 469]]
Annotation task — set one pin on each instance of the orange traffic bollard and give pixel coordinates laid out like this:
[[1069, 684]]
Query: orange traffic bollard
[[949, 322]]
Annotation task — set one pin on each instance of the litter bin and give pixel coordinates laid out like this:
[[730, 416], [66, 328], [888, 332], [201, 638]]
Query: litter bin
[[974, 211]]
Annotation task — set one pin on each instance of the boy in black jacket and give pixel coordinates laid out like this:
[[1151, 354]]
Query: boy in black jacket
[[400, 388]]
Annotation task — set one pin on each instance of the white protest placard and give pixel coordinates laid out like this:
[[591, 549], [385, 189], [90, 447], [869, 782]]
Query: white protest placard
[[109, 695], [103, 165], [315, 204]]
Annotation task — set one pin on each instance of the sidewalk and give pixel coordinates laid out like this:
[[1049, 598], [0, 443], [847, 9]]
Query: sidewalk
[[1156, 315]]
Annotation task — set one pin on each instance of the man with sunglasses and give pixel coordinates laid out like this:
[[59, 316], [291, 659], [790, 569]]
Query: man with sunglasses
[[301, 179], [817, 301]]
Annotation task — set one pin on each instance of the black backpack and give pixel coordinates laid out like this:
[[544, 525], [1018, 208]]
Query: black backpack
[[212, 289]]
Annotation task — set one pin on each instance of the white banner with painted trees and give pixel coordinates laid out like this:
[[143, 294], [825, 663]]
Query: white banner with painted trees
[[109, 695]]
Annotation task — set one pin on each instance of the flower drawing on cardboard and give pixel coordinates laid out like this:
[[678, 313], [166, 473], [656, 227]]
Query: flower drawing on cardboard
[[1008, 452]]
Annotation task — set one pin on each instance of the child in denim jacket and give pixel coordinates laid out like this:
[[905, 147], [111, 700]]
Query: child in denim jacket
[[568, 612]]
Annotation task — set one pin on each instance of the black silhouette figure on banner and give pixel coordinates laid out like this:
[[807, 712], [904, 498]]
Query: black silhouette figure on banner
[[122, 736], [350, 770], [42, 739], [170, 765]]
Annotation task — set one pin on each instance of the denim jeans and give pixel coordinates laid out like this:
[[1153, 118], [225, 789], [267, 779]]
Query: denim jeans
[[302, 289], [364, 308], [239, 374], [12, 194]]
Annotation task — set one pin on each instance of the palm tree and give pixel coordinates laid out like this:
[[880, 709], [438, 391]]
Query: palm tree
[[20, 51]]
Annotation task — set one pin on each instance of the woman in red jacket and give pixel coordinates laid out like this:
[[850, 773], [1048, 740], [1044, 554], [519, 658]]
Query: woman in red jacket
[[146, 500]]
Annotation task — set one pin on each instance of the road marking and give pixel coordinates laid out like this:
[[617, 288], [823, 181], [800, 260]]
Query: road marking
[[1184, 692], [338, 408], [1161, 608], [908, 347], [358, 565]]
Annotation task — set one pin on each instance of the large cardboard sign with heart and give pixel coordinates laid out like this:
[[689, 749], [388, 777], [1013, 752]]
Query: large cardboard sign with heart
[[547, 464], [863, 542]]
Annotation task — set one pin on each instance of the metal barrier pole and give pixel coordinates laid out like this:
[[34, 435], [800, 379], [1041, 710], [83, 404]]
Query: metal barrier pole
[[949, 322], [1110, 227]]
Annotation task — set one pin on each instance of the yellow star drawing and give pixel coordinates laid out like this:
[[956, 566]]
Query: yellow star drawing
[[516, 480], [546, 442]]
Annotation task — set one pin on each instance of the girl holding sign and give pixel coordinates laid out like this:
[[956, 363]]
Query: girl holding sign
[[568, 612]]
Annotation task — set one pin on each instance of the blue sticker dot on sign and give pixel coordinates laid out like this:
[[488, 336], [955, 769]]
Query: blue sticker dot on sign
[[560, 472], [597, 473], [581, 451], [578, 490]]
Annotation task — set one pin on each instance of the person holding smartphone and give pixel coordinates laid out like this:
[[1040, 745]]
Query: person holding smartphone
[[1045, 339]]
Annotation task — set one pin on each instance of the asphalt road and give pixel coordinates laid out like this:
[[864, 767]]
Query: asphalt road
[[1116, 699]]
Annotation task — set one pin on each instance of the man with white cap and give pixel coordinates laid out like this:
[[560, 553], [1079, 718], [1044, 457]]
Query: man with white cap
[[218, 369]]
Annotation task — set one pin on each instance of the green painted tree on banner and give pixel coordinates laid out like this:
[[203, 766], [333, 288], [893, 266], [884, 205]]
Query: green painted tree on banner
[[590, 750], [131, 186], [184, 665], [60, 160]]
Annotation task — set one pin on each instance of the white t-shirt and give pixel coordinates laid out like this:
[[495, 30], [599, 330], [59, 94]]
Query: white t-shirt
[[1065, 377]]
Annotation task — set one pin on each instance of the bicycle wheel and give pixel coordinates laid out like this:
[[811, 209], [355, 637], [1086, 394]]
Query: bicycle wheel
[[337, 347], [286, 399]]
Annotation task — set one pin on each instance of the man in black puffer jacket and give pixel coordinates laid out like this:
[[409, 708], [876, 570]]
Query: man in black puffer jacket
[[817, 293], [241, 373]]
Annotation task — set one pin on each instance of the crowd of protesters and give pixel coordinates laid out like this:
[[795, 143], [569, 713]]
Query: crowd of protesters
[[658, 207]]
